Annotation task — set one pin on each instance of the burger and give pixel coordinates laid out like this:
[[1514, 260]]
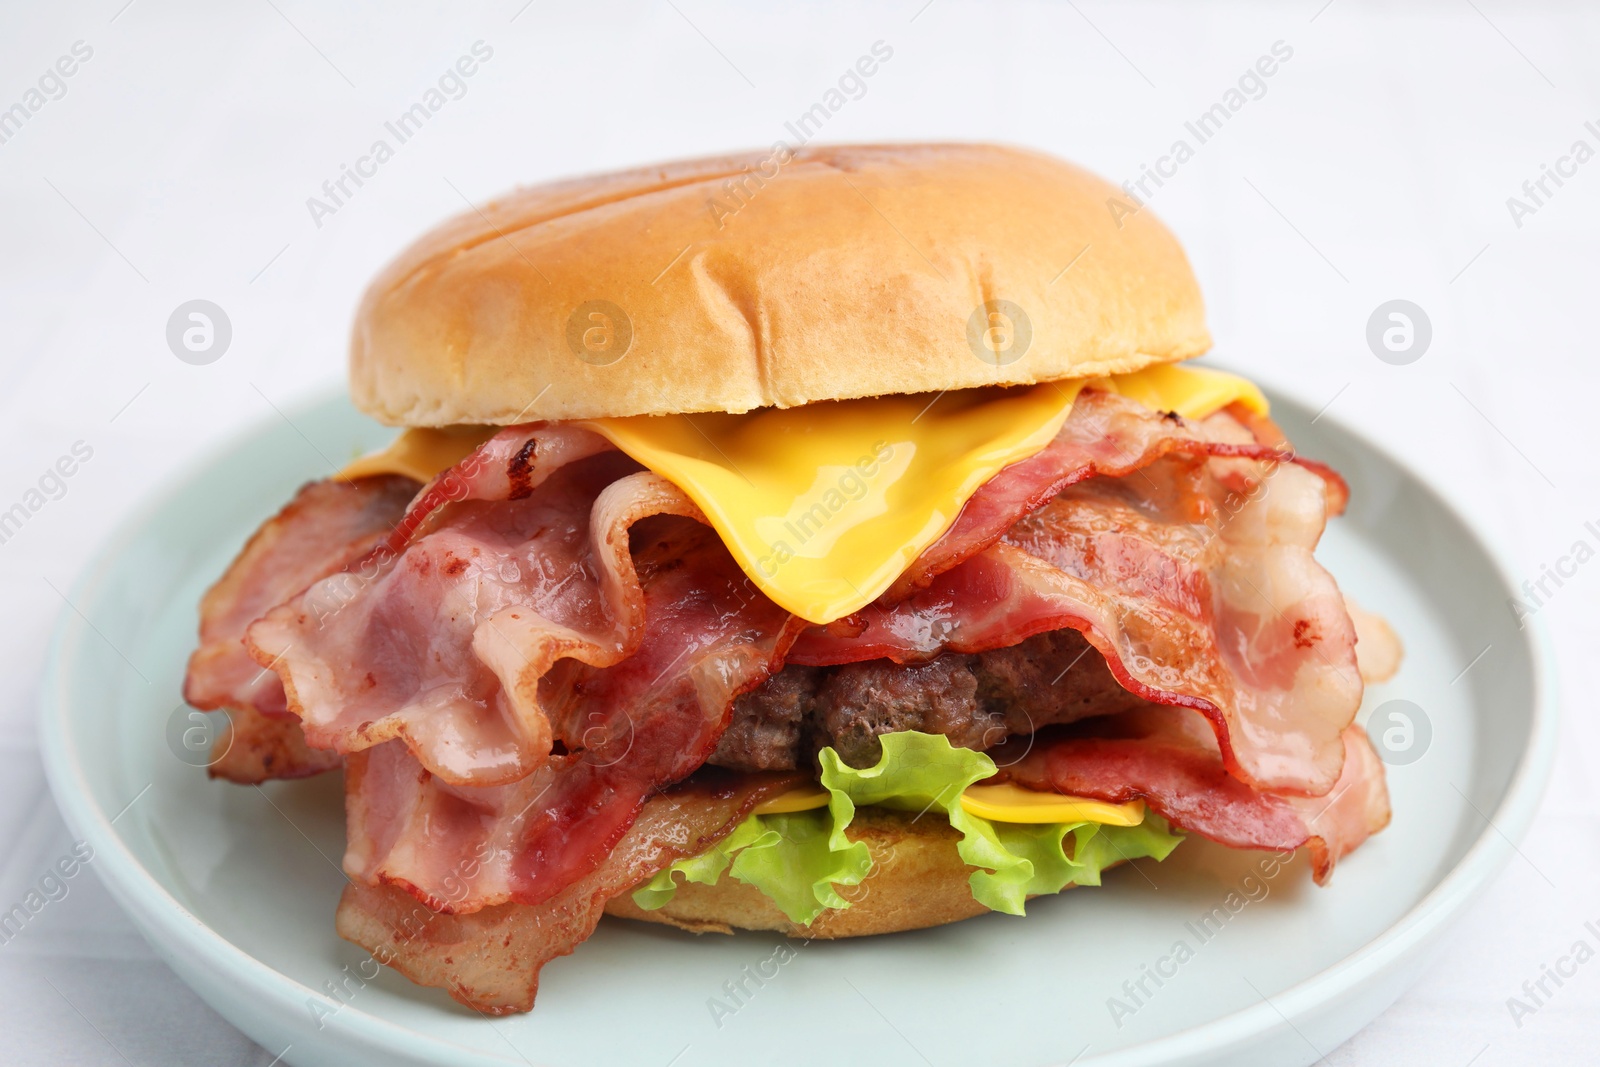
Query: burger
[[828, 541]]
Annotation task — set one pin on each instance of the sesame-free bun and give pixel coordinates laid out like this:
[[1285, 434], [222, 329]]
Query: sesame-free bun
[[917, 880], [772, 278]]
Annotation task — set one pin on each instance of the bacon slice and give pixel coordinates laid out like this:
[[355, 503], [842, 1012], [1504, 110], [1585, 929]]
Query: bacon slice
[[409, 640], [508, 466], [647, 722], [490, 959], [1378, 648], [1169, 759], [1106, 436], [327, 525], [256, 748], [411, 644]]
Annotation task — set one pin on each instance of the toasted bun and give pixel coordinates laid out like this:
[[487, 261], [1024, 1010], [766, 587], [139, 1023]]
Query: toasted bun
[[773, 278], [917, 880]]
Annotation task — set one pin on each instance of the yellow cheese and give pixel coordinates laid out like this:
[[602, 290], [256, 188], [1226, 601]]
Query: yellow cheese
[[997, 803], [1193, 392], [421, 452], [1012, 803], [824, 505]]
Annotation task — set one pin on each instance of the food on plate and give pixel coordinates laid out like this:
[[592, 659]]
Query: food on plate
[[862, 560]]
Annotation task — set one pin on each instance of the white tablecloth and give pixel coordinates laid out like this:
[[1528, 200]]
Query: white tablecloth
[[1376, 162]]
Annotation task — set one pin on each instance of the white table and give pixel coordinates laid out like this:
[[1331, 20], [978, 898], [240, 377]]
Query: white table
[[1375, 164]]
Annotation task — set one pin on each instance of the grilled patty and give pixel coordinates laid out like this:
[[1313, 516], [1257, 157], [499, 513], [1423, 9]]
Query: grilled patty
[[976, 700]]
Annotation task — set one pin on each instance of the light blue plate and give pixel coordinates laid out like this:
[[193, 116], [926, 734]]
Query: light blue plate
[[236, 887]]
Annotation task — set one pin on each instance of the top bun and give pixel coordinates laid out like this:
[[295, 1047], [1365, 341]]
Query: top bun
[[776, 278]]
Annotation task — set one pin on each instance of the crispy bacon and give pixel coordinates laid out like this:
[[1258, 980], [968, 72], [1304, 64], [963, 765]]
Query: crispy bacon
[[1167, 758], [327, 525], [490, 959], [647, 722], [508, 466], [1378, 648], [1106, 436], [256, 748], [442, 642]]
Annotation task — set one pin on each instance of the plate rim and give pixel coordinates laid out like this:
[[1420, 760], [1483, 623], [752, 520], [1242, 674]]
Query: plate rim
[[154, 909]]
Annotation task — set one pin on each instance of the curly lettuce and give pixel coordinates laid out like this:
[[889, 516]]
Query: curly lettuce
[[797, 859]]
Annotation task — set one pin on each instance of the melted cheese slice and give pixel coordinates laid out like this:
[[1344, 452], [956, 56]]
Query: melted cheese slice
[[824, 505], [1193, 392], [421, 452], [997, 803]]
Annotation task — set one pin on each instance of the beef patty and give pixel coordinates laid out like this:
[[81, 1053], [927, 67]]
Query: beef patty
[[976, 700]]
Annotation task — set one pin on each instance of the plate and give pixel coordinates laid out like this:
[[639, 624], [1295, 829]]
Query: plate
[[235, 886]]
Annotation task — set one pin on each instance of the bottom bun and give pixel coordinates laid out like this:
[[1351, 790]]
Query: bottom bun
[[917, 880]]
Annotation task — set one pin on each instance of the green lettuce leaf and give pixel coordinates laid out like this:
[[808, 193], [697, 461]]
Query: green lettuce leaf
[[796, 859], [799, 871], [707, 867]]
